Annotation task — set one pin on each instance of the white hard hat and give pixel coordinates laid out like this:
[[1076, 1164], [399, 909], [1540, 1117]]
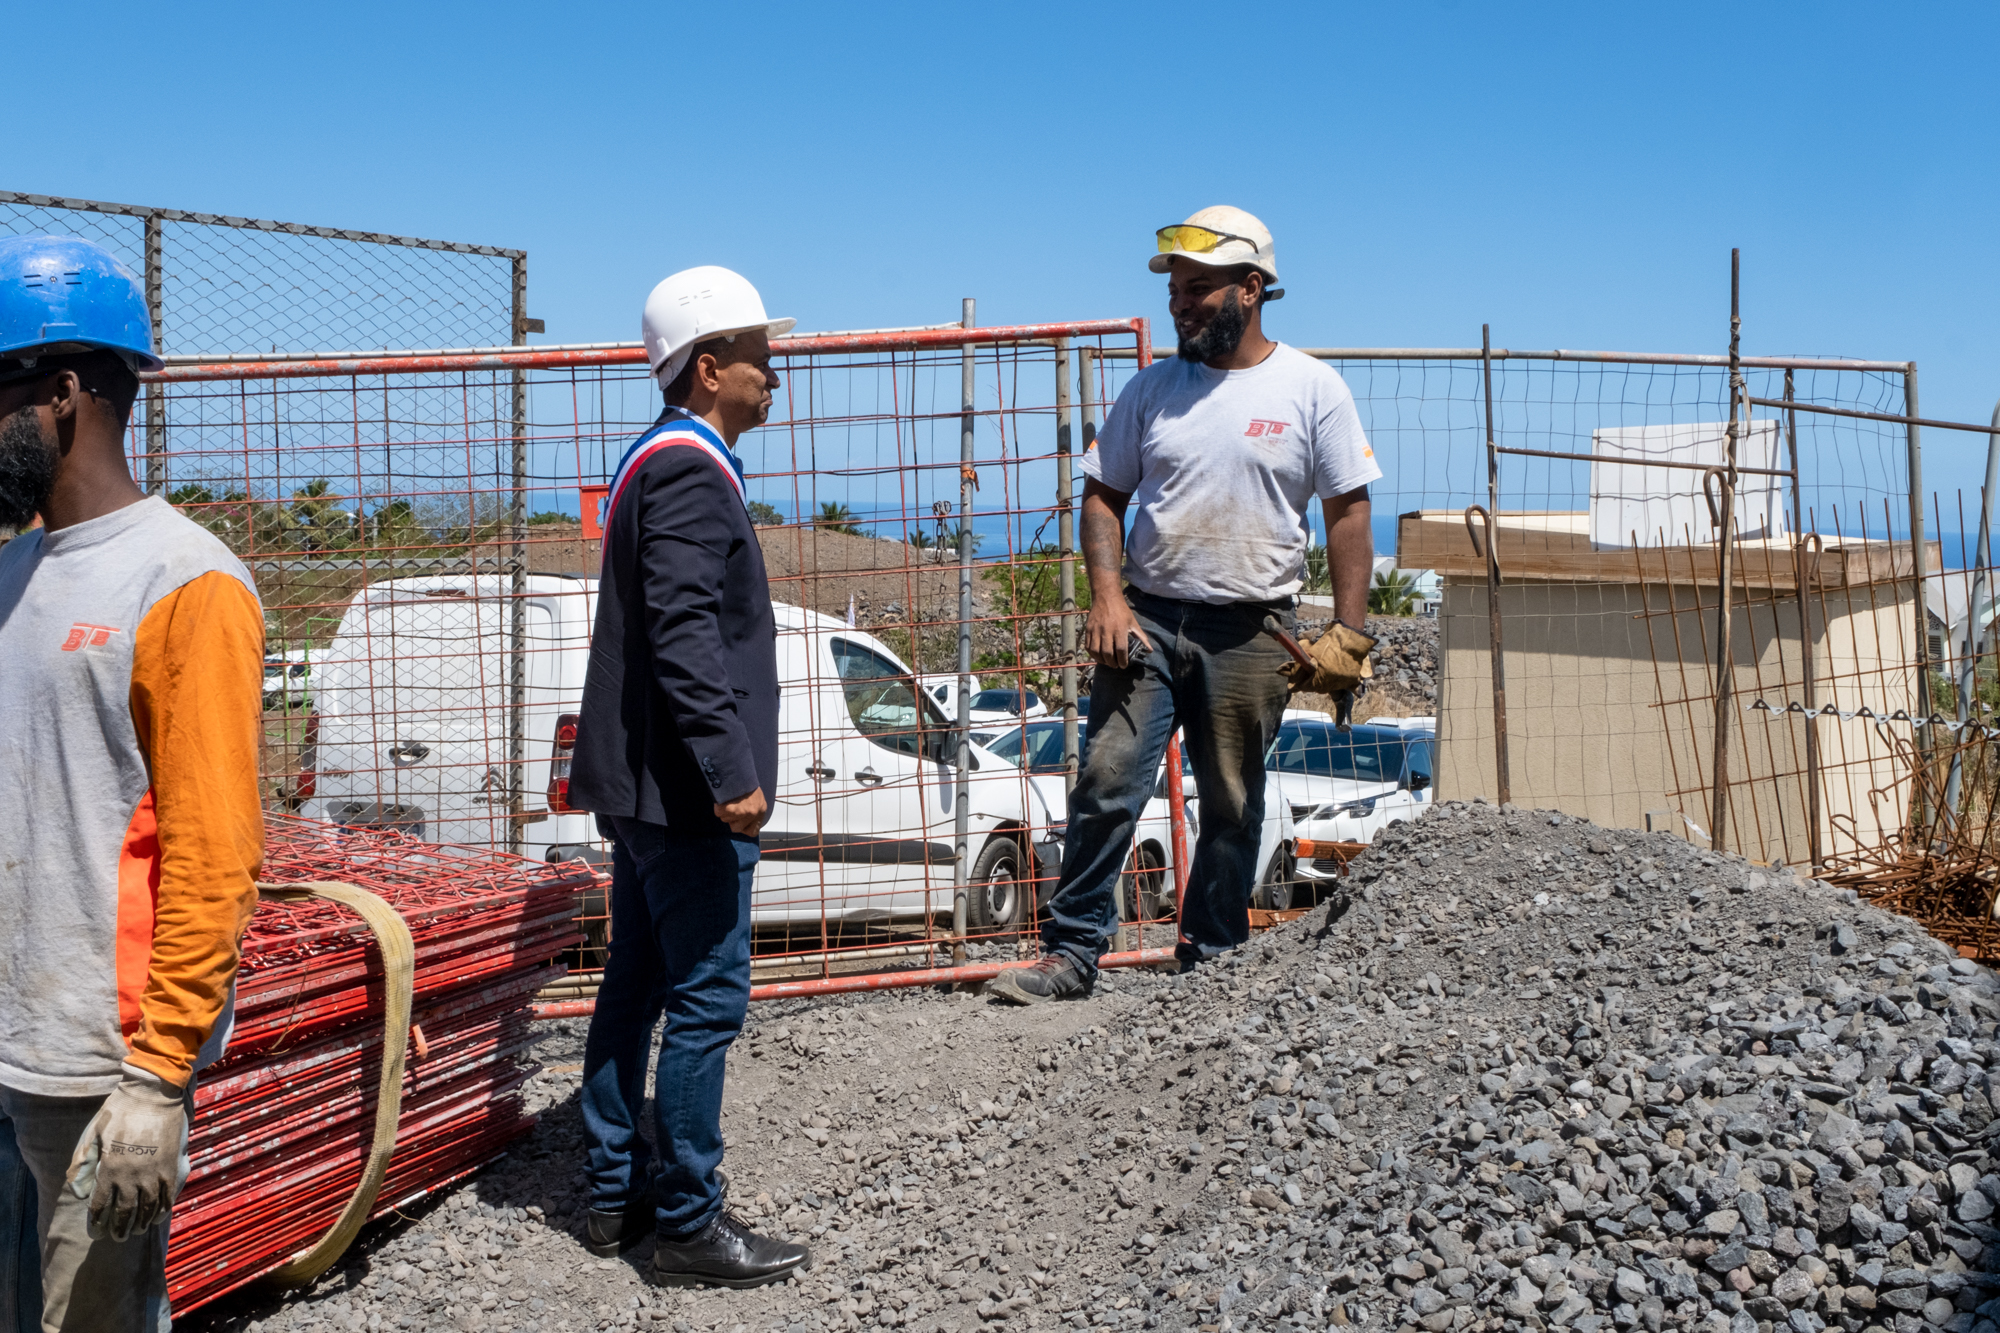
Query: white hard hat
[[697, 304], [1223, 237]]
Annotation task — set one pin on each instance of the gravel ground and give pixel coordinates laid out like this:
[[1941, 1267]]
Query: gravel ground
[[1532, 1074]]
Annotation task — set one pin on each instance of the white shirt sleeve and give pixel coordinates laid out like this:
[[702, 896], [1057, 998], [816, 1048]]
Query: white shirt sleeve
[[1114, 458], [1342, 457]]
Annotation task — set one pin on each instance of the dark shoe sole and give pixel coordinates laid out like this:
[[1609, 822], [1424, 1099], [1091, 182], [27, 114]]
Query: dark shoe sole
[[738, 1283], [612, 1249]]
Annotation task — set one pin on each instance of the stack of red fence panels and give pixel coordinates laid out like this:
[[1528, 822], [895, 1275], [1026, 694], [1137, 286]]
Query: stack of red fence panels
[[283, 1124]]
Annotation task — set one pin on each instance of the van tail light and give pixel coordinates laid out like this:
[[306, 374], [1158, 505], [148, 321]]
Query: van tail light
[[559, 759], [308, 780]]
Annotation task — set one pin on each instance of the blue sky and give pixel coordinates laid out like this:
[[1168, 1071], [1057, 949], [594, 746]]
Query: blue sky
[[1574, 174]]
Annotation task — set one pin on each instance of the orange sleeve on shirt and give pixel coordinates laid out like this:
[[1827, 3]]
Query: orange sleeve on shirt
[[197, 705]]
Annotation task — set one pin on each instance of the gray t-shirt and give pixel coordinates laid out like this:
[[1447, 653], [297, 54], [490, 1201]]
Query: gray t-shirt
[[1223, 467]]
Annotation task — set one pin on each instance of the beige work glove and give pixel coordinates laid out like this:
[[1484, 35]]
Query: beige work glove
[[130, 1161], [1339, 662]]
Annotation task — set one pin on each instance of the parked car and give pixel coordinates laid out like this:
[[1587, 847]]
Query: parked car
[[413, 731], [943, 690], [1347, 786], [1008, 705], [287, 679], [1149, 886]]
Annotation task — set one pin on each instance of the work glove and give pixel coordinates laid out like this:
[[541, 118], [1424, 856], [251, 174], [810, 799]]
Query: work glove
[[1339, 662], [129, 1162]]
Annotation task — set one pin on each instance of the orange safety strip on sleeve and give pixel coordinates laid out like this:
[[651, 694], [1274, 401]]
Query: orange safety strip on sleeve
[[138, 890], [197, 706]]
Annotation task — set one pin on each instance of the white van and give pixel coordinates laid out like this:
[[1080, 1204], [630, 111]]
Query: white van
[[412, 732]]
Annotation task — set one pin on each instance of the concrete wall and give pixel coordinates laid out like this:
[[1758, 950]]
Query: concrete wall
[[1609, 713]]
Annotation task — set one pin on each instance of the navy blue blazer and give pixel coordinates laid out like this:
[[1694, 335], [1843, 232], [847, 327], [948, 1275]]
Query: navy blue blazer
[[680, 704]]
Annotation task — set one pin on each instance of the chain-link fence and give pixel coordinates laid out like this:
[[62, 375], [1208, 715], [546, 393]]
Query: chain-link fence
[[229, 286]]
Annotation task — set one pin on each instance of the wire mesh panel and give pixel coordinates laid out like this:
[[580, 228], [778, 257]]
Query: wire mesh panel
[[429, 575], [1600, 505], [426, 540]]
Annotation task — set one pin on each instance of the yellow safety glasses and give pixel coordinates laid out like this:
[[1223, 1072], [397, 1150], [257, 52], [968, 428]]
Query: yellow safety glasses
[[1197, 240]]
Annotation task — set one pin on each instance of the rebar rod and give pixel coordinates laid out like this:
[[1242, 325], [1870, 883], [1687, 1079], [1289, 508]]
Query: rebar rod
[[1719, 768]]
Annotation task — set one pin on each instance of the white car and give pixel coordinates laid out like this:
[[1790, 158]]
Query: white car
[[943, 689], [287, 679], [1347, 786], [413, 731], [1013, 704], [1149, 886]]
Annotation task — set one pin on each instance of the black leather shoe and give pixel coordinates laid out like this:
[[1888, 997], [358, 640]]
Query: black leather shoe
[[725, 1253], [608, 1233]]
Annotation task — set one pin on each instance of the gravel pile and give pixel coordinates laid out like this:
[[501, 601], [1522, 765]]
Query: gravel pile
[[1528, 1074], [1406, 659]]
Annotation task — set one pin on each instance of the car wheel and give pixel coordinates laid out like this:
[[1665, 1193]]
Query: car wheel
[[997, 893], [1143, 885], [1274, 891]]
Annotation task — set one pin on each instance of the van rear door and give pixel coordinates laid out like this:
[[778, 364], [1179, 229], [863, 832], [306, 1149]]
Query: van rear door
[[420, 718]]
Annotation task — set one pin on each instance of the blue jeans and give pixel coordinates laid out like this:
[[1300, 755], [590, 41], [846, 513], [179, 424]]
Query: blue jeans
[[680, 947], [1214, 672]]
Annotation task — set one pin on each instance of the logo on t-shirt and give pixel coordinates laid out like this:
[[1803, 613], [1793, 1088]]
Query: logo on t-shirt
[[1264, 428], [94, 635]]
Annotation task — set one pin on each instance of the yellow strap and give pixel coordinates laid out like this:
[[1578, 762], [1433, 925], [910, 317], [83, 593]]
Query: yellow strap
[[399, 954]]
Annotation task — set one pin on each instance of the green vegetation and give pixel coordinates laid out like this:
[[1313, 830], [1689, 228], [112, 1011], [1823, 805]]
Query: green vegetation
[[547, 516], [835, 517], [1318, 581], [1028, 591], [1393, 593], [765, 516]]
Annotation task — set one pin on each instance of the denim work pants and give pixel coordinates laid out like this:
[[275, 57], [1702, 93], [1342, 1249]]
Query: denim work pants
[[1215, 672], [103, 1286], [680, 947]]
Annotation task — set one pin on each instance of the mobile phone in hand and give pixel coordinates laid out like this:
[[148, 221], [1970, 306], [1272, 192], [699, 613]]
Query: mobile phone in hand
[[1135, 647]]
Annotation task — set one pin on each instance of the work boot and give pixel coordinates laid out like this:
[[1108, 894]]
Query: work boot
[[1055, 976], [726, 1253]]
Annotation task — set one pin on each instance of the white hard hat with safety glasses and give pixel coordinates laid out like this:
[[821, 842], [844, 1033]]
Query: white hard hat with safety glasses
[[695, 305], [1221, 237]]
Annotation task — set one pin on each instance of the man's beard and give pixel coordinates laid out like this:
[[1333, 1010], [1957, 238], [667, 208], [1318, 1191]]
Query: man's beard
[[27, 468], [1224, 331]]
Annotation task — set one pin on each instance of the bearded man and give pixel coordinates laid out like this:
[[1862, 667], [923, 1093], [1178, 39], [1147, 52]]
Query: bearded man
[[1217, 456]]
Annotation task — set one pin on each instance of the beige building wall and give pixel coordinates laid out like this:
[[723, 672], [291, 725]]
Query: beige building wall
[[1609, 714]]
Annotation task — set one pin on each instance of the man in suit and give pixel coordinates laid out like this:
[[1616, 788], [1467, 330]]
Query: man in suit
[[676, 753]]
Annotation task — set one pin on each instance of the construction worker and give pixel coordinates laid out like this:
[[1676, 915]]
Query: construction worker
[[1217, 455], [677, 753], [131, 671]]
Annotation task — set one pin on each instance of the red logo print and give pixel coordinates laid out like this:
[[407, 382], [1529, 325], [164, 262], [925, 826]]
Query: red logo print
[[1265, 428], [94, 635]]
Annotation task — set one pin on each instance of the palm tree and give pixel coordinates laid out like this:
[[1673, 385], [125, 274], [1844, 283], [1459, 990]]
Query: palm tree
[[1317, 580], [836, 518], [1394, 594]]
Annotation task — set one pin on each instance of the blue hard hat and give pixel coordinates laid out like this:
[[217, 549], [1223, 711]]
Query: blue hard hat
[[63, 294]]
